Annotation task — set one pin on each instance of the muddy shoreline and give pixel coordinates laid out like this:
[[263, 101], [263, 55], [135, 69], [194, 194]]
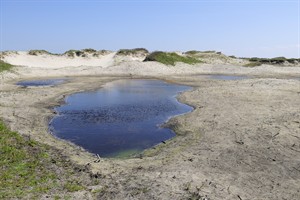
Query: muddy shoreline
[[242, 139]]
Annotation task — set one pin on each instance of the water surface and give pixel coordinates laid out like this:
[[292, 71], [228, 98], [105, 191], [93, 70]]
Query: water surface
[[121, 118], [47, 82]]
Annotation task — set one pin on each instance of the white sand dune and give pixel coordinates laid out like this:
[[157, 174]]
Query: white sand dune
[[22, 58], [111, 63]]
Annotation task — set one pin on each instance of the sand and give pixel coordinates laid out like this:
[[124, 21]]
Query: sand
[[242, 141]]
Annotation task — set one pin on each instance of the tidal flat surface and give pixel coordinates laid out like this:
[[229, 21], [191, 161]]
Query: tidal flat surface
[[120, 119]]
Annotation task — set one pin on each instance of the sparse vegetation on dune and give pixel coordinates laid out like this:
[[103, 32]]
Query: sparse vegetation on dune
[[127, 52], [4, 66], [253, 64], [276, 60], [193, 52], [29, 169], [73, 53], [170, 58], [39, 52], [85, 53], [89, 50]]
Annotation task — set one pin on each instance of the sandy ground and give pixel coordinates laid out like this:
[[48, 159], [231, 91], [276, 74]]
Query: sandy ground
[[242, 141]]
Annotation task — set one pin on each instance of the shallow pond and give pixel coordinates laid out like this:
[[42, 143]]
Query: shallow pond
[[120, 119], [47, 82]]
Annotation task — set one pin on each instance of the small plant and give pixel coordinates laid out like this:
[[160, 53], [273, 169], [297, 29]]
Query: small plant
[[170, 58]]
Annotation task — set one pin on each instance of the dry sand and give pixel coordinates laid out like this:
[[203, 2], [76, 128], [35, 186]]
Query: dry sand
[[242, 141]]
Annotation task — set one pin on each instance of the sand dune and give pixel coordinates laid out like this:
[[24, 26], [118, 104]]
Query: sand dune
[[22, 58]]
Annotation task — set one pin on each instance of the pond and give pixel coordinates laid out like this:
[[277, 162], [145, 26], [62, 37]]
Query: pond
[[120, 119], [47, 82]]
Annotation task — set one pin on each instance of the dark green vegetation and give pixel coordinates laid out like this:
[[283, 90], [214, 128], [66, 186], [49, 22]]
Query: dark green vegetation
[[29, 169], [277, 60], [170, 58], [5, 66], [126, 52]]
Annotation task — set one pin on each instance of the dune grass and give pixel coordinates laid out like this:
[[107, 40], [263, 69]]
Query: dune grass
[[4, 66], [170, 58], [29, 169]]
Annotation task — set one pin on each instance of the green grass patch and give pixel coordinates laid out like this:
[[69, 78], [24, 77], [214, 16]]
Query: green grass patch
[[170, 58], [4, 66], [29, 169], [73, 186]]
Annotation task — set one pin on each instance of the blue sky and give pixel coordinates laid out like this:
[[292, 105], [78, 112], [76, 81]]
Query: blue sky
[[245, 28]]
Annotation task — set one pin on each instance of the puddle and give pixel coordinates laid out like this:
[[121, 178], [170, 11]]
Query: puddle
[[120, 119], [35, 83]]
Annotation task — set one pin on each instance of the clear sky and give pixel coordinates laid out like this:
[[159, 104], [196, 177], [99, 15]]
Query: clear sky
[[248, 28]]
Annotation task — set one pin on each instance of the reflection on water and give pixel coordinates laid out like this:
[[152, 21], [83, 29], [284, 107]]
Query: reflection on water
[[47, 82], [124, 116]]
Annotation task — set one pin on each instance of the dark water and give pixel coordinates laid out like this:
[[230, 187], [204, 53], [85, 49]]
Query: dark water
[[120, 119], [48, 82]]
